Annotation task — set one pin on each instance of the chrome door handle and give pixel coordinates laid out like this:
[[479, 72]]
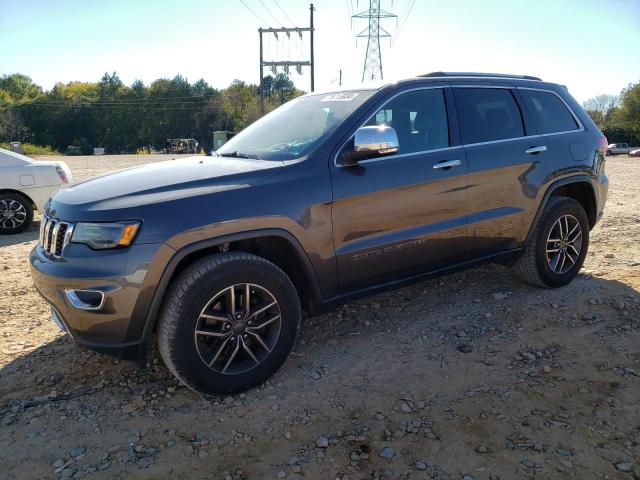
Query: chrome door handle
[[447, 164], [534, 150]]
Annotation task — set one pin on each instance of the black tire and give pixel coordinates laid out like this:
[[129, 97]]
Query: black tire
[[533, 266], [192, 291], [10, 201]]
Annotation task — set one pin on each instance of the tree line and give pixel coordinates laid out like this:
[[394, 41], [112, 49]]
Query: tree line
[[618, 116], [122, 118]]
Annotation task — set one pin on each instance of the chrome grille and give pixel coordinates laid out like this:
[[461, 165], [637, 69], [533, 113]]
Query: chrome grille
[[54, 235]]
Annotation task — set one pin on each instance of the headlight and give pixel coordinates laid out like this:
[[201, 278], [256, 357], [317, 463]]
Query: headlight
[[101, 236]]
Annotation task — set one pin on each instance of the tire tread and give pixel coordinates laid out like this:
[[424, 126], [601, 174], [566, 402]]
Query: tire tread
[[179, 289], [526, 265]]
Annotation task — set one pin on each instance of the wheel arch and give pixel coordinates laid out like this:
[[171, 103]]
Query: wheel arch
[[276, 245], [580, 188], [22, 194]]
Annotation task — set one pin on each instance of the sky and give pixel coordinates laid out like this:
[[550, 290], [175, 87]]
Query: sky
[[592, 46]]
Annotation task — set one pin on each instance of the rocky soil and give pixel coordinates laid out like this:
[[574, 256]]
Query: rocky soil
[[472, 376]]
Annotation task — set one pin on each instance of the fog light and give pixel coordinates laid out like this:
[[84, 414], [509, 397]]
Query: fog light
[[85, 299]]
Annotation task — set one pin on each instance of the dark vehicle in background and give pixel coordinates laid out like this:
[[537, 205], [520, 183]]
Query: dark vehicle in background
[[182, 145], [327, 198]]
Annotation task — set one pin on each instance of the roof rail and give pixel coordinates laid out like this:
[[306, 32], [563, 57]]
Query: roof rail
[[476, 74]]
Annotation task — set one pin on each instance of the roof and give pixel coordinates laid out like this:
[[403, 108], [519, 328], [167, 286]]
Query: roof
[[9, 158], [478, 75]]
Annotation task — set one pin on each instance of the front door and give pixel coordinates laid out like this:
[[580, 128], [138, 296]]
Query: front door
[[403, 214]]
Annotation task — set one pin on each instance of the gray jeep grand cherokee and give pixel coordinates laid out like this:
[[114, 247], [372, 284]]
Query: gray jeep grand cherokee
[[328, 197]]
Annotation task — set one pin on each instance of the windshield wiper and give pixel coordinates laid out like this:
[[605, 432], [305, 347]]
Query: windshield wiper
[[237, 154]]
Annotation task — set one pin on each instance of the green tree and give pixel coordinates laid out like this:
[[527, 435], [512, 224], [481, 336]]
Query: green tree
[[18, 88], [123, 118]]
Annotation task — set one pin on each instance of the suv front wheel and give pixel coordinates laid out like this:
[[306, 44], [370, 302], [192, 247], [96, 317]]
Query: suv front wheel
[[229, 322], [556, 249]]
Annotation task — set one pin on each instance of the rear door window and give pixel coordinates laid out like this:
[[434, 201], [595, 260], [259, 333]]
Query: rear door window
[[550, 113], [488, 114]]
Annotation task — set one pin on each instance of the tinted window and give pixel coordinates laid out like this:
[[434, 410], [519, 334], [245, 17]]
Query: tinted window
[[488, 114], [549, 112], [419, 118]]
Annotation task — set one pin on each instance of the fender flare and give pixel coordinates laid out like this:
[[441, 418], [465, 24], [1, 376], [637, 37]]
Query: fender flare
[[170, 268], [550, 189]]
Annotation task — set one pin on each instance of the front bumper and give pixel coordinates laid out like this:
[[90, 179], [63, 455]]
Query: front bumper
[[114, 328]]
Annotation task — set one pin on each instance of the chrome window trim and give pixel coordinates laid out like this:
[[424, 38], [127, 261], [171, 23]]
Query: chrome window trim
[[573, 114], [400, 155]]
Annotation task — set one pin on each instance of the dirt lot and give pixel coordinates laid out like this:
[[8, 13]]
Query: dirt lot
[[549, 386]]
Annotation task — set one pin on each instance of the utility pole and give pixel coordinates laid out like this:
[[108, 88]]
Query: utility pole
[[298, 64], [261, 75], [311, 41], [373, 59]]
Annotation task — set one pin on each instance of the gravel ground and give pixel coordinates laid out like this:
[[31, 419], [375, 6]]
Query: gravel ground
[[472, 376]]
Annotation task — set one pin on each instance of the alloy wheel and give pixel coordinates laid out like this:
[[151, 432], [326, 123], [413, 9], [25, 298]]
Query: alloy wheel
[[12, 213], [564, 244], [238, 328]]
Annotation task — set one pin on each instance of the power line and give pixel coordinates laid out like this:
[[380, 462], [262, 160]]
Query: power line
[[254, 13], [404, 20], [269, 12], [298, 64], [126, 101], [284, 13], [108, 102], [136, 99], [108, 107]]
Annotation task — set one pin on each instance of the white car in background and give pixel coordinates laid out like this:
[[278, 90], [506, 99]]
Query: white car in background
[[25, 186]]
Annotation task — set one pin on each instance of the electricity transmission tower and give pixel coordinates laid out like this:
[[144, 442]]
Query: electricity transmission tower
[[374, 31]]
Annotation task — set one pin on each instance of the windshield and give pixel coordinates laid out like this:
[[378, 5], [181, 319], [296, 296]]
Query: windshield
[[296, 128]]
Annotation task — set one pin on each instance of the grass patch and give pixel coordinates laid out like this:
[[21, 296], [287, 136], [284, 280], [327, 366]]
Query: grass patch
[[30, 149]]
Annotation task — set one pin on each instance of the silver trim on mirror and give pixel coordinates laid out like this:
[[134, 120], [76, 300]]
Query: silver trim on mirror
[[377, 139]]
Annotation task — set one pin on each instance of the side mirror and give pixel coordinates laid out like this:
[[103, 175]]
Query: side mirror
[[371, 142]]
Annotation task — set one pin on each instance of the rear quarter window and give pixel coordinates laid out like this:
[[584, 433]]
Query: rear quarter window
[[488, 114], [549, 112]]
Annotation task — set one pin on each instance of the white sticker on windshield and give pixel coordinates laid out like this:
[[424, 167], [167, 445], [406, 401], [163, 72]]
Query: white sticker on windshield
[[340, 97]]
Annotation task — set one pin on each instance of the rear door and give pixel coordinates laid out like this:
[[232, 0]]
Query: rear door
[[505, 165], [402, 214], [560, 127]]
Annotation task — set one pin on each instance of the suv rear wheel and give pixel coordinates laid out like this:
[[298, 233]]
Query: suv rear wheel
[[229, 322], [555, 252]]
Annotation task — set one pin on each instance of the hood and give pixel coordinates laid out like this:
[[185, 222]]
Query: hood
[[163, 181]]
